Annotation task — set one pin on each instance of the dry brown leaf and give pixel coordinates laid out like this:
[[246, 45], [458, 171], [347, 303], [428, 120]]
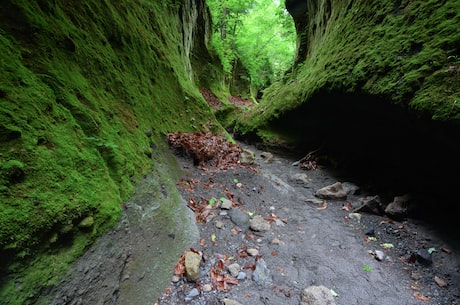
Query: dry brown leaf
[[420, 297], [446, 250], [179, 269], [323, 206], [440, 281]]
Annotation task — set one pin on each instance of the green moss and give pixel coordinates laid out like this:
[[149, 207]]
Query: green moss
[[80, 86]]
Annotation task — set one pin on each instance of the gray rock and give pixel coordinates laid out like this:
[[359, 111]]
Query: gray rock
[[371, 205], [316, 295], [241, 275], [333, 191], [240, 218], [226, 204], [399, 207], [261, 273], [192, 294], [258, 223], [234, 269], [300, 178]]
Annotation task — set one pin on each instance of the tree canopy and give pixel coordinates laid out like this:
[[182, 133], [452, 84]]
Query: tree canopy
[[258, 33]]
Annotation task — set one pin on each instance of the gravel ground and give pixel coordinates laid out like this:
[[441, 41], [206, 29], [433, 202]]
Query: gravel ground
[[365, 259]]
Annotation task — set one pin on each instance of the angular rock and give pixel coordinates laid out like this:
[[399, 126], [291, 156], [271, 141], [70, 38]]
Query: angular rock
[[226, 204], [316, 295], [240, 218], [300, 178], [192, 265], [258, 223], [371, 205], [267, 156], [399, 207], [234, 269], [261, 274], [333, 191], [247, 156]]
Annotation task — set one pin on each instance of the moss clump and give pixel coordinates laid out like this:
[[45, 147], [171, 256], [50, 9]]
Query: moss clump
[[79, 87]]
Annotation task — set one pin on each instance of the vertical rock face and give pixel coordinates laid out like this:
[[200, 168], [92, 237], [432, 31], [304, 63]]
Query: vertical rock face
[[196, 34], [80, 86], [196, 28], [309, 17]]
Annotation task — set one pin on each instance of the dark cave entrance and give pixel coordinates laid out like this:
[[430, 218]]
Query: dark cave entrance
[[382, 147]]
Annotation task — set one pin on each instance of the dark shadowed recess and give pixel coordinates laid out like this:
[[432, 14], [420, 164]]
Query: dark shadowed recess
[[384, 148]]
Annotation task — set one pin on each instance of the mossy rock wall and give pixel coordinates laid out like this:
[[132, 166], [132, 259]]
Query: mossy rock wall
[[88, 89], [405, 52]]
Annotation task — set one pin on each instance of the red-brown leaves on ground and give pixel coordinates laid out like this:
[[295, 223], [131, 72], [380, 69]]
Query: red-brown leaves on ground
[[210, 98], [220, 278], [308, 165], [206, 148], [179, 269], [201, 210]]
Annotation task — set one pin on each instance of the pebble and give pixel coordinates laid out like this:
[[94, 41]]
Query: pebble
[[234, 269], [192, 294], [242, 275], [252, 252], [207, 287]]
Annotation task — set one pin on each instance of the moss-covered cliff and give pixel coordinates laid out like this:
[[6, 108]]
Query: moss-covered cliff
[[376, 88], [405, 52], [88, 89]]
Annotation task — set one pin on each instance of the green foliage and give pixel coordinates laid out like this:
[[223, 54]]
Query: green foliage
[[258, 33]]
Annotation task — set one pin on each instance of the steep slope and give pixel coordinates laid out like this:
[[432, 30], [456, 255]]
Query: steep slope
[[88, 91]]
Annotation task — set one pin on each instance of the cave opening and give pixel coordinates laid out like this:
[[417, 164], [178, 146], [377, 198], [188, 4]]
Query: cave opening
[[382, 147]]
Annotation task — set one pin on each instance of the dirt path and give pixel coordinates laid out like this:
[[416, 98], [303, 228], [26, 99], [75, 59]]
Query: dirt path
[[306, 243]]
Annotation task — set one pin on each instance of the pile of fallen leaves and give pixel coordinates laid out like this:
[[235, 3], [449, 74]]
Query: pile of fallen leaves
[[210, 98], [206, 148]]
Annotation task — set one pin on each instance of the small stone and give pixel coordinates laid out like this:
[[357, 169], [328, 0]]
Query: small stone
[[267, 156], [241, 275], [355, 216], [252, 252], [276, 241], [175, 279], [192, 265], [258, 223], [207, 287], [219, 224], [226, 204], [247, 156], [333, 191], [234, 269], [192, 294], [424, 257], [239, 218], [316, 295], [379, 255]]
